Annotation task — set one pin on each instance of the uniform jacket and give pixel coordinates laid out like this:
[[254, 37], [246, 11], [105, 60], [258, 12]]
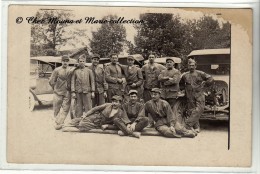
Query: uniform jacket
[[104, 112], [134, 110], [192, 81], [83, 81], [133, 75], [59, 80], [112, 73], [170, 87], [151, 75], [161, 112], [99, 76]]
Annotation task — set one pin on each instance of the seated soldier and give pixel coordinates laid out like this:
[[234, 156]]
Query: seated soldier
[[133, 109], [106, 114], [165, 121]]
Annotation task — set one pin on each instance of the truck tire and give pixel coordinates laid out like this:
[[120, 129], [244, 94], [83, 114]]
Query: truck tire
[[31, 102]]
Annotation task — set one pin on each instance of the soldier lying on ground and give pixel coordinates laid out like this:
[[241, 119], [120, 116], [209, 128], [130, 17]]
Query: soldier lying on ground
[[109, 114]]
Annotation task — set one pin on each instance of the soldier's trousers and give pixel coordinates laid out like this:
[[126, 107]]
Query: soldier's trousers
[[98, 100], [111, 92], [196, 106], [166, 131], [147, 95], [85, 124], [83, 101], [61, 107], [143, 122]]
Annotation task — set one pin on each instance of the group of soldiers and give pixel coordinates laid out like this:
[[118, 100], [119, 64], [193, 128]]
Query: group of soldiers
[[128, 98]]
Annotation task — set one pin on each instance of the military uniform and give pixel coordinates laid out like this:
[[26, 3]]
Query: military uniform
[[101, 115], [59, 81], [100, 85], [170, 87], [112, 73], [151, 79], [133, 75], [133, 112], [195, 94], [83, 83], [164, 118]]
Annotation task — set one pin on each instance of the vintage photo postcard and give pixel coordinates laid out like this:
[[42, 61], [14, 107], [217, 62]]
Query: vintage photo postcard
[[129, 86]]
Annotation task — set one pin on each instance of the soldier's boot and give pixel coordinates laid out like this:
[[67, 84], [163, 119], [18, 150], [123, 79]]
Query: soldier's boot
[[196, 127], [185, 132], [136, 134], [121, 133]]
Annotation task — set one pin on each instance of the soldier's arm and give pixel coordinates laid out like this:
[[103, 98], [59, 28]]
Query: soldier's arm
[[174, 80], [162, 78], [140, 78], [124, 117], [105, 85], [92, 80], [96, 109], [73, 81], [108, 76], [207, 78], [53, 78], [141, 113]]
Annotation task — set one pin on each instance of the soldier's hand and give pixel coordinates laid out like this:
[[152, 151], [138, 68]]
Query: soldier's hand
[[173, 129], [104, 127], [203, 84], [129, 127], [133, 85], [73, 95], [105, 94], [132, 127], [93, 95], [119, 80]]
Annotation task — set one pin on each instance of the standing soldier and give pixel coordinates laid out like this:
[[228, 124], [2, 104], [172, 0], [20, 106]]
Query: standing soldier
[[59, 81], [82, 87], [134, 77], [115, 78], [100, 82], [165, 121], [170, 79], [194, 81], [151, 71]]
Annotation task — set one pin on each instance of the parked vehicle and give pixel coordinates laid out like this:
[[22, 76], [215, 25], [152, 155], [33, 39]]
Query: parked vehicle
[[41, 68], [162, 60], [215, 62], [139, 60]]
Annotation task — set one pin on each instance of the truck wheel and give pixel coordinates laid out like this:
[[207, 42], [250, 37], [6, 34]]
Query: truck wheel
[[31, 102]]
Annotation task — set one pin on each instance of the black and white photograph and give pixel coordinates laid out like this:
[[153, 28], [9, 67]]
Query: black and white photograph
[[131, 86]]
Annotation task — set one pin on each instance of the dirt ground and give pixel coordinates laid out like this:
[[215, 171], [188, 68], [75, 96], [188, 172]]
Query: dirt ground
[[38, 142]]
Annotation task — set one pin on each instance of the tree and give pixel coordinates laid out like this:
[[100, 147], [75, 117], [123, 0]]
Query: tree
[[110, 37], [162, 33], [47, 38]]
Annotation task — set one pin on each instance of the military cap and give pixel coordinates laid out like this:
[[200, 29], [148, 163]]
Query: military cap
[[169, 58], [131, 57], [82, 57], [117, 97], [191, 61], [157, 90], [132, 91], [65, 57], [95, 56]]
